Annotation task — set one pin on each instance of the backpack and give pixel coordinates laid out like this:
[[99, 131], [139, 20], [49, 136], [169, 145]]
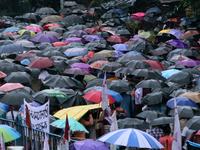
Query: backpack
[[121, 114]]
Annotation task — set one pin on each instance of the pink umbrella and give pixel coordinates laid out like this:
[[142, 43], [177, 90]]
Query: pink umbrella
[[35, 29], [139, 14], [82, 66], [138, 18]]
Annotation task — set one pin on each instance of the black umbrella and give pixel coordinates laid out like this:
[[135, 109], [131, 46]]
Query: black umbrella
[[96, 82], [96, 59], [44, 45], [4, 36], [79, 6], [95, 46], [58, 58], [137, 64], [183, 111], [163, 37], [122, 32], [31, 17], [46, 10], [42, 97], [191, 71], [141, 46], [153, 98], [160, 51], [120, 86], [77, 27], [6, 42], [132, 123], [70, 3], [178, 92], [74, 99], [186, 22], [73, 19], [93, 88], [108, 15], [58, 30], [162, 121], [113, 22], [18, 77], [190, 53], [16, 98], [151, 84], [124, 70], [103, 34], [156, 58], [110, 66], [59, 81], [193, 123], [176, 67], [167, 64], [150, 114], [181, 78], [53, 53], [151, 74]]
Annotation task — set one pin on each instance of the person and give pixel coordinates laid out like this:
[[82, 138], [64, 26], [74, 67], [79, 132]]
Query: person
[[156, 132], [120, 112], [112, 77], [166, 140], [186, 133]]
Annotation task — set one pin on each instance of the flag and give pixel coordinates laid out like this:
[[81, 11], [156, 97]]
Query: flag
[[177, 143], [28, 118], [2, 143], [67, 129], [104, 94], [113, 127], [46, 143]]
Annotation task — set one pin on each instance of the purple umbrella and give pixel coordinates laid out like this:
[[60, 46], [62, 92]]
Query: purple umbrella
[[77, 71], [88, 145], [93, 38], [44, 38], [79, 32], [118, 53], [175, 33], [188, 62], [82, 66], [74, 39], [121, 47], [177, 43], [137, 38]]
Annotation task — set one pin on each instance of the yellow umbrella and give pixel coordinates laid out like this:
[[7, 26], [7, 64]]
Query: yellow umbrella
[[195, 96], [23, 30], [76, 112], [164, 31]]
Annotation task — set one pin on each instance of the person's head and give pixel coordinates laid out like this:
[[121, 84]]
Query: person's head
[[167, 130], [129, 77], [112, 74], [117, 104]]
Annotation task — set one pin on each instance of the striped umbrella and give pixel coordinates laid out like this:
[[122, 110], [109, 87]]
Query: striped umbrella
[[131, 138], [9, 134]]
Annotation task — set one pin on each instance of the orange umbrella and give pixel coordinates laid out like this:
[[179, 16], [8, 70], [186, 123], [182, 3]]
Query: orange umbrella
[[189, 33], [195, 96], [98, 64]]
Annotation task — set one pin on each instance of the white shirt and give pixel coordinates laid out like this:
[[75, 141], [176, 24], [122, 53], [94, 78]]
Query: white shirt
[[186, 133]]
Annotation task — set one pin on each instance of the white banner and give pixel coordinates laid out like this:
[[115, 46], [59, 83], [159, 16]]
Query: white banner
[[39, 116]]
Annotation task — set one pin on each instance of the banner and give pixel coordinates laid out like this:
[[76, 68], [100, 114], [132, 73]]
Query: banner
[[39, 116]]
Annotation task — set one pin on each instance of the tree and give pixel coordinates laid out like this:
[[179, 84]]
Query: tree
[[194, 5]]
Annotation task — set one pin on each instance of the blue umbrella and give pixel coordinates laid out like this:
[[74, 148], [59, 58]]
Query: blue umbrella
[[176, 51], [119, 11], [11, 48], [118, 53], [12, 29], [25, 62], [154, 10], [114, 94], [4, 106], [181, 101], [133, 52], [170, 72], [121, 47]]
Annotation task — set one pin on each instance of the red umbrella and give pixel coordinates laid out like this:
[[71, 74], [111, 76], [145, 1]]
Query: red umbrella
[[95, 96], [2, 74], [116, 39], [155, 64], [90, 54], [11, 86], [98, 27], [10, 33], [46, 27], [21, 57], [59, 44], [40, 63], [97, 64], [91, 30]]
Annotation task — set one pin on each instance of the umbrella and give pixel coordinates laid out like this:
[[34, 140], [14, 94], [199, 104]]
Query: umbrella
[[155, 64], [110, 66], [181, 78], [150, 114], [18, 77], [177, 43], [70, 3], [52, 18], [120, 86], [139, 14], [176, 33], [16, 98], [2, 75], [75, 112], [97, 64], [81, 66], [147, 35], [30, 32], [189, 34], [131, 138], [178, 92], [88, 144], [35, 29], [75, 52], [11, 48], [43, 97], [116, 39], [58, 94], [183, 111], [95, 96], [73, 19], [45, 10], [132, 123], [119, 11], [177, 57], [153, 98], [124, 70], [74, 39], [181, 101], [79, 32], [10, 86], [40, 63], [162, 121], [95, 82], [195, 96], [121, 47], [141, 46], [154, 10], [161, 51], [9, 134], [77, 71], [188, 62], [137, 64], [92, 38], [74, 125], [59, 81], [151, 84], [170, 72], [91, 30], [44, 38], [193, 123], [105, 53], [108, 15]]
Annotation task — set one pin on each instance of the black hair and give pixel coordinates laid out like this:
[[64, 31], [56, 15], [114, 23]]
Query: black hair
[[117, 104], [167, 129]]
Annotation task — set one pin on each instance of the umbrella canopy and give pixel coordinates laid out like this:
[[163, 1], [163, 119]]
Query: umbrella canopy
[[59, 81], [58, 94], [121, 47], [2, 75], [74, 19], [153, 98], [88, 144], [120, 86], [9, 134], [18, 77], [132, 123], [137, 64], [193, 123], [77, 71], [147, 35], [52, 18], [183, 111], [71, 52], [176, 33], [150, 114], [40, 63], [116, 39], [46, 10], [177, 43], [11, 48], [181, 78], [131, 138], [110, 66], [155, 64], [195, 96], [188, 62], [74, 39], [170, 72], [44, 38], [162, 121], [95, 82], [151, 84], [105, 53], [189, 34], [73, 124], [81, 66], [10, 87], [33, 28], [181, 101], [97, 64], [160, 51]]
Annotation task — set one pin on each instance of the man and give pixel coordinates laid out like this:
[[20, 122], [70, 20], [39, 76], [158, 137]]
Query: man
[[167, 139], [112, 77], [156, 132], [186, 133]]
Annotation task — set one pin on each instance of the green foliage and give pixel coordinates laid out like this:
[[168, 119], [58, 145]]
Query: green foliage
[[192, 4]]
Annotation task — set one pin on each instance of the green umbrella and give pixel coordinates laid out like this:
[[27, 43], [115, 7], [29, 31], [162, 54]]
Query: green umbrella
[[79, 84], [74, 125], [56, 93], [147, 35], [2, 113], [89, 78]]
